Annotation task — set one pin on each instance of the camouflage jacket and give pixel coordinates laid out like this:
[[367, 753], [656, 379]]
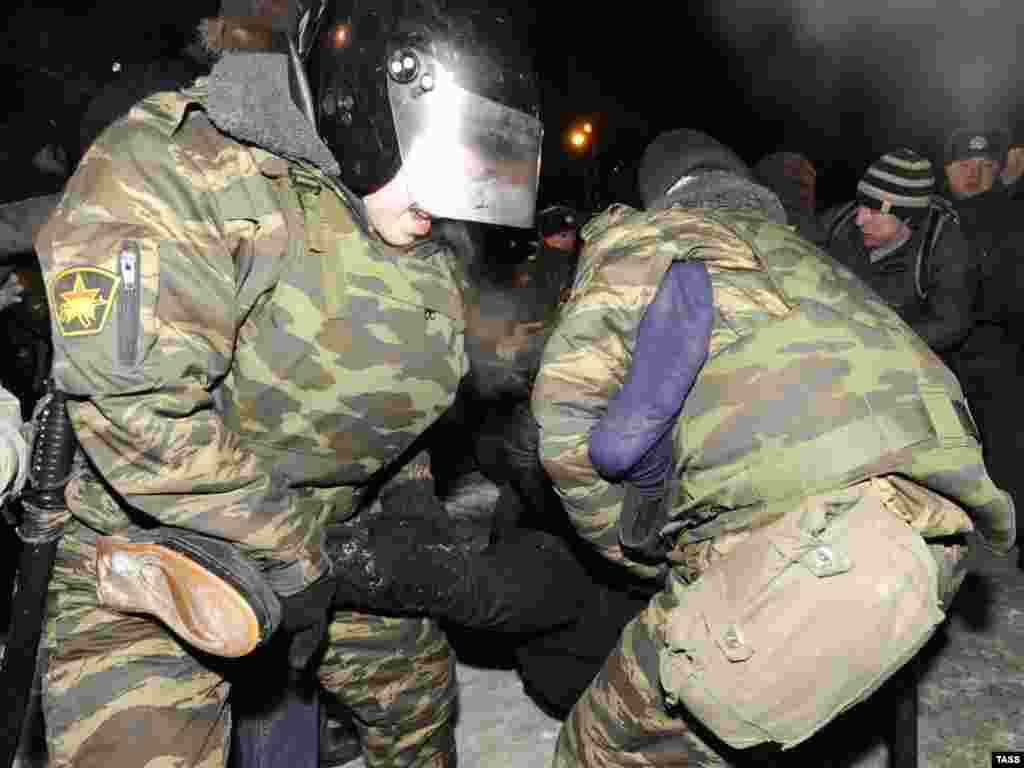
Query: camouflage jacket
[[812, 383], [243, 355]]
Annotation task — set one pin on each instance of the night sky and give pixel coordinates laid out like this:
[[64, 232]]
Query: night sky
[[840, 82]]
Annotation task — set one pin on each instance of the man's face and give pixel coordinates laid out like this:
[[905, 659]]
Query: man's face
[[395, 216], [877, 228], [563, 241], [971, 177]]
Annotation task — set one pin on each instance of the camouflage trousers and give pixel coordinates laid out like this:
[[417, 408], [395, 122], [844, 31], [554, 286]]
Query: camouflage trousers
[[623, 719], [121, 690]]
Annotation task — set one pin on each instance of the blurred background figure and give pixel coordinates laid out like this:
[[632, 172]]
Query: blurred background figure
[[11, 288], [549, 271], [794, 179], [1014, 167], [558, 227], [977, 165], [974, 160]]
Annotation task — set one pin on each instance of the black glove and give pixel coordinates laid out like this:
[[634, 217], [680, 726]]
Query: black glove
[[528, 581], [305, 616], [640, 524]]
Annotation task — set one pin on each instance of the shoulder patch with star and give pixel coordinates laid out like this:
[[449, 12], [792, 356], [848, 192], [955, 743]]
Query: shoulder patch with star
[[82, 298]]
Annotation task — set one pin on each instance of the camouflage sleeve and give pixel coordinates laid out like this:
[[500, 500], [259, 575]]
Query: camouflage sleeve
[[141, 275], [585, 363], [948, 317]]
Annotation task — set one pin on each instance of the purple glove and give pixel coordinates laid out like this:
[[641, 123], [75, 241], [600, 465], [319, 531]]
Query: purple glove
[[633, 441]]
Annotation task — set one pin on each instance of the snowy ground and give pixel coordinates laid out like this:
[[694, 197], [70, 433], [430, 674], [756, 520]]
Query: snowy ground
[[971, 693]]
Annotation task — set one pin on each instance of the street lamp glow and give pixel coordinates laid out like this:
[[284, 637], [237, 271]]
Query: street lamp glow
[[578, 138], [588, 128]]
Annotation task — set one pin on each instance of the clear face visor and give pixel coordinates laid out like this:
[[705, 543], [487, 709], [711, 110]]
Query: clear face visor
[[463, 156]]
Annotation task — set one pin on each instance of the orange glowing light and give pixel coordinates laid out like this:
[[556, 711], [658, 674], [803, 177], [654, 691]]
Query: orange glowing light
[[340, 35], [578, 139], [588, 128]]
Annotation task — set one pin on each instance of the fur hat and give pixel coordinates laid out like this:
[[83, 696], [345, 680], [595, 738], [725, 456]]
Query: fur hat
[[675, 154]]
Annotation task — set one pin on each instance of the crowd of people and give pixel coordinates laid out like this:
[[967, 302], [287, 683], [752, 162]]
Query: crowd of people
[[323, 426], [938, 239]]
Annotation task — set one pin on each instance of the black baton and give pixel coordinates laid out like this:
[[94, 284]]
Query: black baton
[[45, 511]]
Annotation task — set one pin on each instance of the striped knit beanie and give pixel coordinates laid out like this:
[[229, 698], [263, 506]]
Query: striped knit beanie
[[899, 182]]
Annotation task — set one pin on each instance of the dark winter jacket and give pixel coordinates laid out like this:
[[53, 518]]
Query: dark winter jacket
[[932, 288], [993, 223]]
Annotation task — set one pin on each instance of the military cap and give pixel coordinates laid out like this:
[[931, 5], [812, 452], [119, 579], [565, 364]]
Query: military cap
[[966, 143], [557, 218]]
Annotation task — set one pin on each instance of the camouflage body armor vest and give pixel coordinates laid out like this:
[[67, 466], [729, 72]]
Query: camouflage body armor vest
[[812, 384]]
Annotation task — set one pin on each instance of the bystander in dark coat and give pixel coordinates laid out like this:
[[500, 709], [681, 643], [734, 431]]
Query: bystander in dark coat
[[905, 243]]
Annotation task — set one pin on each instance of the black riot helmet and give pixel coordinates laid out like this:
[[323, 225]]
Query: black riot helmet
[[442, 89]]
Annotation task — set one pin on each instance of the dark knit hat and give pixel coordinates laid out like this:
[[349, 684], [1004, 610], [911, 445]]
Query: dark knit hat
[[555, 219], [965, 144], [900, 182], [675, 154]]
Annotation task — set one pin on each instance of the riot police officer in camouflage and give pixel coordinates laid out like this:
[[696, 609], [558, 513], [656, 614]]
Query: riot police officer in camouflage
[[252, 326], [728, 410]]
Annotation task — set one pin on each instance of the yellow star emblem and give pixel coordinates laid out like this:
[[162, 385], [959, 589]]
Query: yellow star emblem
[[83, 307], [80, 303]]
